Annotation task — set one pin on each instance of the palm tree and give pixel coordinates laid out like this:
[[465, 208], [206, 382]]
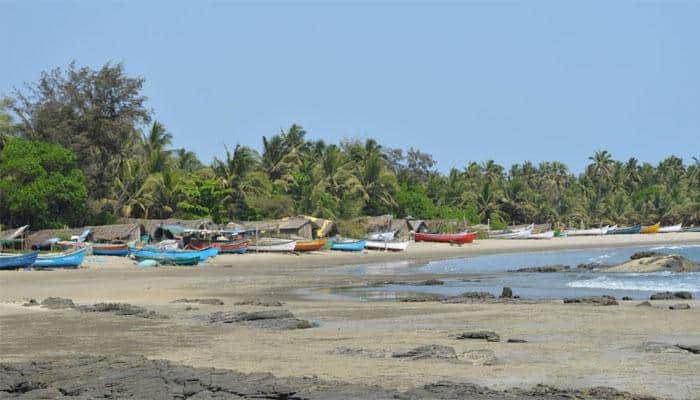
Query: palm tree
[[236, 174], [338, 192], [187, 161], [154, 145]]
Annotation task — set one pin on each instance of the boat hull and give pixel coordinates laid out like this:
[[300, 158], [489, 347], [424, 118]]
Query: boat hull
[[355, 245], [310, 245], [651, 228], [235, 247], [166, 260], [630, 230], [458, 238], [385, 245], [18, 261], [540, 236], [283, 247], [382, 236], [588, 232], [671, 229], [120, 250], [67, 260], [202, 255]]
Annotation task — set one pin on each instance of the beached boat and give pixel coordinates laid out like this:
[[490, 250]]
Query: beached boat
[[232, 247], [386, 245], [70, 259], [672, 228], [348, 245], [158, 255], [542, 235], [588, 232], [382, 236], [627, 230], [692, 229], [272, 245], [121, 250], [11, 261], [516, 234], [310, 245], [167, 258], [456, 238], [651, 228]]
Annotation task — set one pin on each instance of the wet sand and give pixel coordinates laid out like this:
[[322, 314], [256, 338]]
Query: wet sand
[[569, 346]]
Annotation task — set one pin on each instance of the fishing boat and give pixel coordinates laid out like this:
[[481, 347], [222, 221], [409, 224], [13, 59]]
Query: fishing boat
[[542, 235], [517, 234], [651, 228], [69, 259], [692, 229], [627, 230], [171, 259], [11, 261], [310, 245], [121, 250], [672, 228], [348, 245], [158, 255], [588, 232], [230, 247], [386, 245], [456, 238], [382, 236], [272, 245]]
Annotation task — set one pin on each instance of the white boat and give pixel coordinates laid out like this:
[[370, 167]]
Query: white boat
[[382, 236], [543, 235], [672, 228], [517, 234], [587, 232], [278, 246], [386, 245]]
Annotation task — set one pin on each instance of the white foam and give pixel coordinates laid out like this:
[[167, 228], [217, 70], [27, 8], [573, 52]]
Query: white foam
[[652, 283]]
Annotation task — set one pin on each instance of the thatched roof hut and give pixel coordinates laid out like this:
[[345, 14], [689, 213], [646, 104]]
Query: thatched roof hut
[[154, 227], [299, 226], [98, 234]]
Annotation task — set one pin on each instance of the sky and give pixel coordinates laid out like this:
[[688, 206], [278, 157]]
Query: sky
[[464, 81]]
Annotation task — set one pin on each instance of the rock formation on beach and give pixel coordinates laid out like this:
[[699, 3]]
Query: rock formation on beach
[[655, 262]]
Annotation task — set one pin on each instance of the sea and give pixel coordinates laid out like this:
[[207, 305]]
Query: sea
[[490, 273]]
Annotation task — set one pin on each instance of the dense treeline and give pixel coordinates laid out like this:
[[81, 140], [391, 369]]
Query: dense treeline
[[80, 146]]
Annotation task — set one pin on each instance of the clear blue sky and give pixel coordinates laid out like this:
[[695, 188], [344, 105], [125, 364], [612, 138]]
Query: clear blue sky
[[507, 81]]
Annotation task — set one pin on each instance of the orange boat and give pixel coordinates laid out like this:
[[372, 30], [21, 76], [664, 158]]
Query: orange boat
[[651, 228], [310, 245]]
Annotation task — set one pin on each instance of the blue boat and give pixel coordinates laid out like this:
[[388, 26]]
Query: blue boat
[[348, 245], [11, 261], [120, 250], [630, 230], [61, 260], [154, 254]]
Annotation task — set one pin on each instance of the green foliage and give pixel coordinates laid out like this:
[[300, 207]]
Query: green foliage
[[40, 185]]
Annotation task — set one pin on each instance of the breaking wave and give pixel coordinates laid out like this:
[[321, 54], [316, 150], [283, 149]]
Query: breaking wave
[[658, 282]]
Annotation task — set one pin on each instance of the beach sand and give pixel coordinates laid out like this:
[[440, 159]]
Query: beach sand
[[569, 346]]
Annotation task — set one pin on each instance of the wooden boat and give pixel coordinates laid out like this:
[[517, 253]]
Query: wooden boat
[[628, 230], [121, 250], [588, 232], [692, 229], [158, 255], [386, 245], [310, 245], [517, 234], [169, 259], [382, 236], [348, 245], [651, 228], [457, 238], [543, 235], [272, 246], [11, 261], [232, 247], [71, 259], [672, 228]]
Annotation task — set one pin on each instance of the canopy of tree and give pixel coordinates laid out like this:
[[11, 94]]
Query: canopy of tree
[[131, 170]]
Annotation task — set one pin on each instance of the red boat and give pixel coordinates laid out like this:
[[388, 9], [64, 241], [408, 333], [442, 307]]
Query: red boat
[[237, 246], [456, 238]]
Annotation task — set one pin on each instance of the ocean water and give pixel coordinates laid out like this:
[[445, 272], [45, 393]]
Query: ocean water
[[490, 273]]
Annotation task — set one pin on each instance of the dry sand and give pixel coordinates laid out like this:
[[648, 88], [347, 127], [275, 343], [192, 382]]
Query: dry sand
[[571, 346]]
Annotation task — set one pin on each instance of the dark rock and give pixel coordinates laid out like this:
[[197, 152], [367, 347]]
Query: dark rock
[[276, 319], [213, 302], [489, 336], [57, 303], [671, 296], [679, 306], [691, 348], [349, 351], [591, 266], [544, 268], [626, 298], [190, 308], [260, 303], [658, 347], [30, 303], [507, 293], [421, 297], [645, 254], [644, 304], [469, 297], [596, 300], [432, 282], [123, 309], [514, 340], [428, 352]]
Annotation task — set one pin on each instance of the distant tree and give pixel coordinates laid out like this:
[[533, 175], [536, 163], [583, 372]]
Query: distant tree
[[40, 185]]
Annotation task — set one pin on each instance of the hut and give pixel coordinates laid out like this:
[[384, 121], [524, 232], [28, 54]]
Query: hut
[[116, 233], [159, 229], [297, 226], [301, 226], [417, 225]]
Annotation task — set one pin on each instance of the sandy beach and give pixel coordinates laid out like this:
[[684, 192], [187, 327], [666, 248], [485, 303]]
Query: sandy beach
[[568, 345]]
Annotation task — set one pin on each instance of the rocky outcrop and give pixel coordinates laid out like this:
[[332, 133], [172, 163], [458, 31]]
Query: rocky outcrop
[[679, 306], [212, 302], [656, 263], [489, 336], [57, 303], [516, 340], [595, 300], [469, 297], [121, 309], [507, 293], [671, 296], [275, 319], [431, 351], [645, 254], [545, 268], [260, 303]]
